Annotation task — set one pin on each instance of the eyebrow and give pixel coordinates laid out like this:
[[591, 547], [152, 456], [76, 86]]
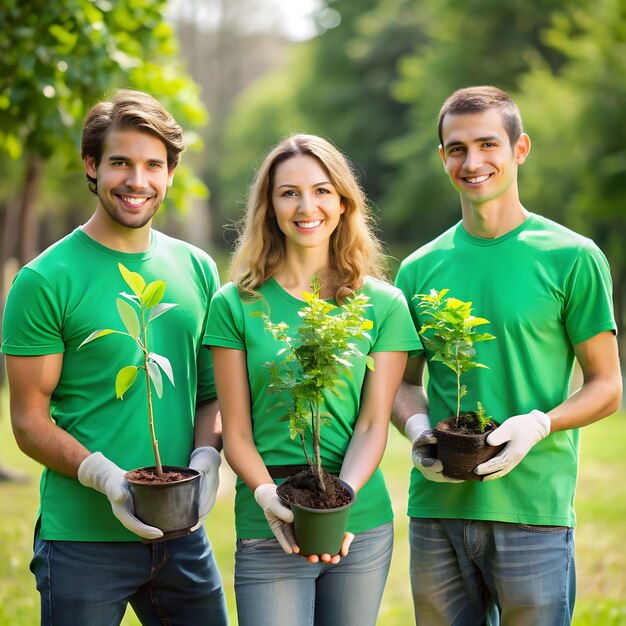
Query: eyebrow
[[477, 140], [291, 185]]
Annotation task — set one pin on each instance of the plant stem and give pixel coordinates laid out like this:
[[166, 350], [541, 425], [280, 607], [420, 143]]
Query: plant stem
[[155, 443], [458, 386], [316, 443], [303, 443]]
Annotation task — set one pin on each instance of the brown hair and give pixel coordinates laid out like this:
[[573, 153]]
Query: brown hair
[[129, 109], [478, 99], [354, 249]]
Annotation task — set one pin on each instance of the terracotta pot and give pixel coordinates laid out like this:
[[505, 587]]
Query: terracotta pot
[[320, 531], [170, 506], [461, 452]]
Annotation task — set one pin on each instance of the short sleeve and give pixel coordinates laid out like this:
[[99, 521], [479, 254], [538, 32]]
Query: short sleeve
[[397, 330], [206, 377], [588, 300], [225, 323], [33, 321]]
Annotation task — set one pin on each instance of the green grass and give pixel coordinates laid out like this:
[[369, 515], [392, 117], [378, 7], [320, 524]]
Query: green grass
[[600, 550]]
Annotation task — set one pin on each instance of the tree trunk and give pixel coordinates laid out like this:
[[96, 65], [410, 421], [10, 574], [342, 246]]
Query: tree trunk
[[27, 247], [19, 235]]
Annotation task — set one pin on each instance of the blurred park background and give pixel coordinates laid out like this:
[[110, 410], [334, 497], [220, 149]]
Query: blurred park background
[[370, 76]]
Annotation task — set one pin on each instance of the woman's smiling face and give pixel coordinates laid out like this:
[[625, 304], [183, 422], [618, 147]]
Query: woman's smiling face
[[306, 204]]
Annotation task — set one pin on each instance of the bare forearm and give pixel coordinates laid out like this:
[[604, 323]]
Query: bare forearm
[[410, 399], [592, 402], [363, 456], [42, 440], [208, 425], [246, 462], [601, 392]]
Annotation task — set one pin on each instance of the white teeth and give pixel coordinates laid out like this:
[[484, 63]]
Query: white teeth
[[314, 224], [133, 201], [478, 179]]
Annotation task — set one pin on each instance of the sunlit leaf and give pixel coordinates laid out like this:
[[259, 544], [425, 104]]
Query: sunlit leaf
[[134, 280], [159, 309], [125, 378], [97, 334], [153, 294], [155, 376], [164, 364], [129, 317]]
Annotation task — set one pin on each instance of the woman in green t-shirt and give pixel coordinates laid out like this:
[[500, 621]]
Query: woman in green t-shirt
[[307, 216]]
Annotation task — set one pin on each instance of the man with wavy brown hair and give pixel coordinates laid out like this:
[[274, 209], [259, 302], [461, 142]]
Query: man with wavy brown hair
[[89, 560]]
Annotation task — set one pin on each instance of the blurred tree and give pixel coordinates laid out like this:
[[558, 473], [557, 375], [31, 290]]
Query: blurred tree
[[579, 169], [506, 39], [58, 57]]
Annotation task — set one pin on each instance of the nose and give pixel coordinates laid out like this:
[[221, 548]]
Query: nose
[[137, 178], [306, 203], [473, 160]]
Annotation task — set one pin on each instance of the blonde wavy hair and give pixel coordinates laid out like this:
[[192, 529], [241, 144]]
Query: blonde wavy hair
[[260, 250]]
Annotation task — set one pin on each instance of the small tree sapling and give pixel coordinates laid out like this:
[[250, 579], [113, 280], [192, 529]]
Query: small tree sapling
[[145, 306], [450, 333], [314, 361]]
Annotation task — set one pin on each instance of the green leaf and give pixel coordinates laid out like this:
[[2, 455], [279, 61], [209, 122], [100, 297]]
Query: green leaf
[[159, 309], [129, 318], [369, 362], [155, 376], [97, 334], [164, 364], [125, 378], [475, 321], [153, 294], [134, 280]]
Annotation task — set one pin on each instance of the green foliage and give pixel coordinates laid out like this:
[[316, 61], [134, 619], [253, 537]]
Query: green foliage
[[146, 307], [476, 421], [452, 335], [61, 56], [315, 359]]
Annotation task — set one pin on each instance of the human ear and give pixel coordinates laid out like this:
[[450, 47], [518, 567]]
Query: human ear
[[442, 155], [90, 166], [522, 148]]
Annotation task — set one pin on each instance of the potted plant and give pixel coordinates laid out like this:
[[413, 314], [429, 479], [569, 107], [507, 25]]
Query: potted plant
[[163, 496], [450, 332], [313, 362]]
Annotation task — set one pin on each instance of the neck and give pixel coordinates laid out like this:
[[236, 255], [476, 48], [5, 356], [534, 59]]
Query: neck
[[492, 220], [112, 235], [296, 273]]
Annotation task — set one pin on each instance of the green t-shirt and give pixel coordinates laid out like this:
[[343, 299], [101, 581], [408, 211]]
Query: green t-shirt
[[56, 302], [544, 289], [232, 325]]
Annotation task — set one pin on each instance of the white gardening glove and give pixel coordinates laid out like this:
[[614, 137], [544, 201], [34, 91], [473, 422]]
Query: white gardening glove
[[417, 429], [98, 473], [207, 461], [279, 517], [520, 433]]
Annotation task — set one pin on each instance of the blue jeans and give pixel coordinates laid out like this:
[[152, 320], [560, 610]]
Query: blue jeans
[[472, 572], [172, 582], [274, 589]]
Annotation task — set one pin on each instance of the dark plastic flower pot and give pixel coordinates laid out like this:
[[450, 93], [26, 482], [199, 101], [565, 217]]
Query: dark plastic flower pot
[[321, 531], [170, 506], [461, 452]]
